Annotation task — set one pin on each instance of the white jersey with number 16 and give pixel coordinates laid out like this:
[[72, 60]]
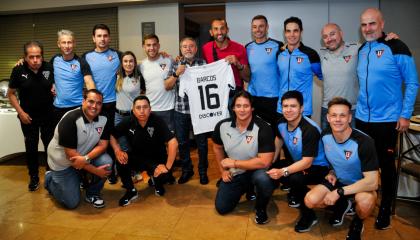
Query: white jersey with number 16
[[207, 87]]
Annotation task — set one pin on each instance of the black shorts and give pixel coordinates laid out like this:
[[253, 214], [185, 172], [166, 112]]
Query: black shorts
[[331, 187]]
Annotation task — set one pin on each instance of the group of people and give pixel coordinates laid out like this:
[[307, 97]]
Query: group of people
[[143, 111]]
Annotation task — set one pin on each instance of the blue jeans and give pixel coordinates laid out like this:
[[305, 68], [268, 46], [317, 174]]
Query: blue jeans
[[123, 141], [324, 121], [182, 132], [168, 117], [64, 185], [229, 193]]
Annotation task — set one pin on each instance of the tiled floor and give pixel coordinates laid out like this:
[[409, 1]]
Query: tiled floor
[[185, 212]]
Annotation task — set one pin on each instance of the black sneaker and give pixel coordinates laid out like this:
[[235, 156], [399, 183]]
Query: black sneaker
[[383, 221], [356, 229], [305, 222], [251, 196], [204, 179], [261, 217], [112, 179], [351, 211], [292, 201], [159, 190], [185, 177], [96, 201], [340, 209], [151, 183], [33, 183], [285, 187], [130, 195], [170, 179]]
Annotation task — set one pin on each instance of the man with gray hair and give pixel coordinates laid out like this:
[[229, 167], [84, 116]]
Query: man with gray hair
[[182, 116], [71, 74]]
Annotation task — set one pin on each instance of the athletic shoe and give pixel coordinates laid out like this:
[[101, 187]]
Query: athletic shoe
[[112, 179], [170, 179], [292, 201], [341, 207], [33, 183], [204, 179], [383, 221], [130, 195], [96, 201], [261, 217], [285, 187], [251, 196], [352, 211], [137, 178], [185, 177], [356, 229], [305, 222], [159, 190]]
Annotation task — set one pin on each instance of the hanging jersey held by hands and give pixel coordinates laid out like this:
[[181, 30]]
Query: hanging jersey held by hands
[[207, 87]]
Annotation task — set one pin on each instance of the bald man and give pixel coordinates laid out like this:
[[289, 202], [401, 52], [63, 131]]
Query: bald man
[[383, 109]]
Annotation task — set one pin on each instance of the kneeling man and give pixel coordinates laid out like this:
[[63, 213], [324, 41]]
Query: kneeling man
[[153, 148], [354, 173], [244, 148], [79, 143]]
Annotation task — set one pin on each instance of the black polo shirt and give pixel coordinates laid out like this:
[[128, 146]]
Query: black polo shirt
[[34, 89], [148, 142]]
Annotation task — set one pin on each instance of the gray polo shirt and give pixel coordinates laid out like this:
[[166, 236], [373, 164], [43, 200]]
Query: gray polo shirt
[[257, 138], [340, 74], [75, 131]]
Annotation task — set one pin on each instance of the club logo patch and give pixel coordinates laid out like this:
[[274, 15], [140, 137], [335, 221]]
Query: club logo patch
[[110, 58], [347, 58], [299, 60], [268, 50], [248, 139], [46, 74], [347, 154], [379, 53], [99, 130], [151, 130], [163, 66], [295, 140], [73, 67]]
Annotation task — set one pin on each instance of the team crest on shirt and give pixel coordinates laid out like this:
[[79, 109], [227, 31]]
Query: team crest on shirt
[[347, 154], [99, 130], [151, 130], [163, 66], [379, 53], [46, 74], [299, 60], [248, 139], [110, 58], [268, 50], [347, 58], [73, 67], [295, 140]]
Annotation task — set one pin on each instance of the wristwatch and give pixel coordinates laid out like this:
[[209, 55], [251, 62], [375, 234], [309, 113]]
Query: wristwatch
[[87, 159], [174, 74], [340, 191], [285, 172]]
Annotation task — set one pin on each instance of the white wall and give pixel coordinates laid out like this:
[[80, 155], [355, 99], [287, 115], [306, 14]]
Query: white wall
[[314, 14], [165, 17]]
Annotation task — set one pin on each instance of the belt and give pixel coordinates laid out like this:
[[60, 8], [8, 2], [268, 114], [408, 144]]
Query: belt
[[123, 113]]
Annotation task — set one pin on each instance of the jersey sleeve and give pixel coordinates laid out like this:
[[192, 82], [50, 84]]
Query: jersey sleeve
[[216, 134], [265, 139], [163, 128], [310, 141], [182, 83], [14, 82], [85, 67], [107, 130], [67, 132], [367, 155]]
